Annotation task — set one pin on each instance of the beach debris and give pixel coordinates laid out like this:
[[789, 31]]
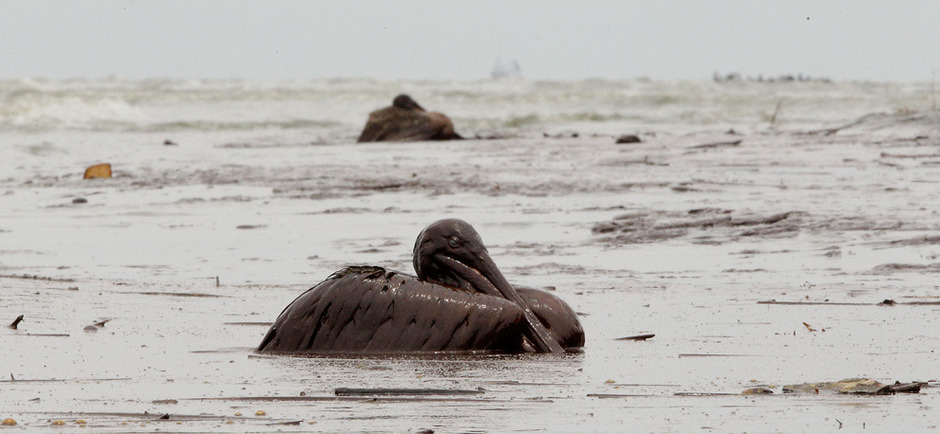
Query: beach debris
[[34, 277], [58, 422], [165, 401], [642, 337], [855, 386], [906, 268], [8, 422], [562, 135], [96, 325], [717, 145], [886, 302], [808, 327], [79, 200], [290, 422], [98, 171], [250, 226], [261, 413], [350, 391], [646, 226], [406, 121], [16, 322], [757, 391], [628, 138], [169, 142]]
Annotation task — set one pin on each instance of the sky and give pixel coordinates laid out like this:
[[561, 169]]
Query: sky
[[448, 39]]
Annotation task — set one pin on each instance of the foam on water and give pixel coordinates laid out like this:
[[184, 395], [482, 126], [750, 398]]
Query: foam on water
[[478, 107]]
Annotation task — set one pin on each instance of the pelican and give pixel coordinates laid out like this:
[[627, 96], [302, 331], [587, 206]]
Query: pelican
[[406, 121], [459, 301]]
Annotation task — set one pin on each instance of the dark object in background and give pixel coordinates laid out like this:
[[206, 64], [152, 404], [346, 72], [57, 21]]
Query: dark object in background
[[406, 121], [628, 138]]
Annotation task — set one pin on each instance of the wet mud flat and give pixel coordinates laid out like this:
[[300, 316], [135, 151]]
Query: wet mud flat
[[761, 259]]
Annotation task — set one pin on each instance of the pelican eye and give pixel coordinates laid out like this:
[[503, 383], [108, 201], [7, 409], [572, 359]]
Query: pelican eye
[[452, 242]]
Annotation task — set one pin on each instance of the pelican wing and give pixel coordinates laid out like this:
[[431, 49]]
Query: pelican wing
[[393, 124], [372, 310], [555, 314], [376, 127]]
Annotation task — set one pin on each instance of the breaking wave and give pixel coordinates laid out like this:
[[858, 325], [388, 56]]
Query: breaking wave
[[114, 104]]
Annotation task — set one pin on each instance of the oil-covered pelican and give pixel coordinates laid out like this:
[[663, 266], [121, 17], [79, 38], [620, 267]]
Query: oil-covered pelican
[[406, 121], [460, 301]]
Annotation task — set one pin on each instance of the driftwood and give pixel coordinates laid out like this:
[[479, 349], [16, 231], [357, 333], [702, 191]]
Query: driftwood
[[831, 131], [61, 380], [350, 391], [618, 395], [715, 355], [32, 277], [642, 337], [44, 335], [886, 302], [716, 145], [362, 398]]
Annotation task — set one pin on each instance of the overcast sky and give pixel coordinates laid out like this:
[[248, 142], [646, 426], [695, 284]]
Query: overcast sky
[[443, 39]]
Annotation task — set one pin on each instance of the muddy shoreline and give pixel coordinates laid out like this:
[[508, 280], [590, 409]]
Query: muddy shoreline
[[190, 251]]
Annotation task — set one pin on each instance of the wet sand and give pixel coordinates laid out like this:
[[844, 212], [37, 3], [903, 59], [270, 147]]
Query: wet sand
[[684, 236]]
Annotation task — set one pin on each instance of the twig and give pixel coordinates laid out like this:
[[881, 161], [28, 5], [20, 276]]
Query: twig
[[642, 337], [61, 380], [350, 391], [16, 322], [44, 335], [776, 111], [713, 355], [831, 131], [826, 303], [617, 395], [360, 399], [27, 276], [716, 144]]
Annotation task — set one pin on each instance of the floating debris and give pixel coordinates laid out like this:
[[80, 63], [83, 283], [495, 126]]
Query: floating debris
[[855, 386], [348, 391], [165, 401], [717, 144], [628, 138], [758, 391], [642, 337]]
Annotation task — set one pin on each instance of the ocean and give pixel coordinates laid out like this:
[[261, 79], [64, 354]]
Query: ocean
[[756, 229], [335, 109]]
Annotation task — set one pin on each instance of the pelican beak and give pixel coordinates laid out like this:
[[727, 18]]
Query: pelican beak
[[487, 278]]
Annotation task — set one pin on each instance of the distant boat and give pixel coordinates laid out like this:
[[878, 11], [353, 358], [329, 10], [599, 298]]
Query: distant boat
[[502, 70]]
